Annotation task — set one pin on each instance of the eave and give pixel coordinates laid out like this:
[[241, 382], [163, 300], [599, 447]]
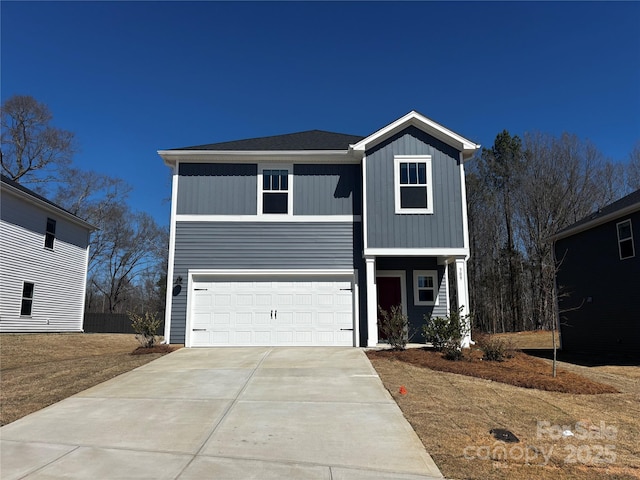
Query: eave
[[171, 157], [596, 222], [55, 210], [413, 118]]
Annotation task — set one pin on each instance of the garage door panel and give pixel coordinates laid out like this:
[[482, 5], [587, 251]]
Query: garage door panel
[[244, 318], [295, 311]]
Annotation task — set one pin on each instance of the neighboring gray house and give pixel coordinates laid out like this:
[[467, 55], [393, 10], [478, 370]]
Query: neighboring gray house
[[44, 252], [599, 280], [295, 239]]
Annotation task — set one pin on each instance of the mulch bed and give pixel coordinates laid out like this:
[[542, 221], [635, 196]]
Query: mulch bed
[[155, 349], [521, 370]]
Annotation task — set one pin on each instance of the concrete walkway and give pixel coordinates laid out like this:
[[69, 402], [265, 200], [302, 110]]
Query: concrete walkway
[[224, 413]]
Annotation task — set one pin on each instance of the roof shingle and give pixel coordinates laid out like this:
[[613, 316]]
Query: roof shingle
[[308, 140]]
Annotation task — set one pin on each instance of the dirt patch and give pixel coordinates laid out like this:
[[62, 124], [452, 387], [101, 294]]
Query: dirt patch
[[521, 370], [37, 370]]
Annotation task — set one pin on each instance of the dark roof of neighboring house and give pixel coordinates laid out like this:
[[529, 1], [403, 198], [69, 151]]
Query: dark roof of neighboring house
[[12, 183], [613, 210], [309, 140]]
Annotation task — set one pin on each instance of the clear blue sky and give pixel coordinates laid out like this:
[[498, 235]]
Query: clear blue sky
[[130, 78]]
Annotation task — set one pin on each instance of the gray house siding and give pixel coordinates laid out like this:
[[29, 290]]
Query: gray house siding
[[416, 313], [58, 274], [217, 189], [600, 303], [386, 229], [331, 189], [273, 245]]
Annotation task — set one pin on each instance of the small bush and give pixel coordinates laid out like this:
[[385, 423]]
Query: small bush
[[495, 349], [446, 333], [145, 326], [395, 326]]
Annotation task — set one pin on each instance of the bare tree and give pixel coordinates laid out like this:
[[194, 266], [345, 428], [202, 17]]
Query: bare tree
[[30, 145], [633, 169], [132, 244]]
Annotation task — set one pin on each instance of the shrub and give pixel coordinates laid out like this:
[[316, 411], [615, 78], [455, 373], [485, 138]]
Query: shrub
[[395, 326], [145, 326], [495, 349], [446, 333]]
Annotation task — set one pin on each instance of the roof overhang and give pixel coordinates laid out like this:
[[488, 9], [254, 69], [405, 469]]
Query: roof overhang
[[596, 222], [413, 118], [171, 157], [50, 207]]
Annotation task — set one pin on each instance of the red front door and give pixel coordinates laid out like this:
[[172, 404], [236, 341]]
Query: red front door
[[389, 295]]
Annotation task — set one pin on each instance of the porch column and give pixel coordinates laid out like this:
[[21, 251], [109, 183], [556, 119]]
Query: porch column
[[462, 288], [372, 303]]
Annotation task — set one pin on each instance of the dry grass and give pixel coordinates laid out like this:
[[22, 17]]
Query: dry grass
[[453, 414], [539, 339], [38, 370]]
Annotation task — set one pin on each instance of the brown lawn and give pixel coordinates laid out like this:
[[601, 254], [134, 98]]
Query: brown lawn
[[453, 413], [37, 370]]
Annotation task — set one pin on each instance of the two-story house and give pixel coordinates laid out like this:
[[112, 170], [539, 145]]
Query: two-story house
[[44, 254], [297, 239], [600, 317]]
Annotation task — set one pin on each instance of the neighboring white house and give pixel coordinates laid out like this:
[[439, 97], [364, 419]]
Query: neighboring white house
[[44, 253]]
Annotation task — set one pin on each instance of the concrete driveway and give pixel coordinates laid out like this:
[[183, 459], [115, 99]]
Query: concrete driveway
[[224, 413]]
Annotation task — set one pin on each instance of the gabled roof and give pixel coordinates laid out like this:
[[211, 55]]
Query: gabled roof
[[617, 209], [33, 197], [308, 140], [467, 147], [318, 144]]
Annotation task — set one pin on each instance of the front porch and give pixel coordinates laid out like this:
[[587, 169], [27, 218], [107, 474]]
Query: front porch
[[421, 285]]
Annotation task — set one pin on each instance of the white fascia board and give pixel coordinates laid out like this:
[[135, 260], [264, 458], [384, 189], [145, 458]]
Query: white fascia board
[[236, 156], [55, 210], [280, 218], [467, 147], [417, 252], [597, 222], [172, 251]]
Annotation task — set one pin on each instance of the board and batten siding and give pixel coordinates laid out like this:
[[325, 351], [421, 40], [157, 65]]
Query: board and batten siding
[[385, 228], [58, 274], [248, 245], [331, 189], [217, 189]]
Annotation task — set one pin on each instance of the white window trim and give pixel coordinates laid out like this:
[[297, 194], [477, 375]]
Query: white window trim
[[22, 298], [397, 160], [620, 240], [436, 287], [282, 166]]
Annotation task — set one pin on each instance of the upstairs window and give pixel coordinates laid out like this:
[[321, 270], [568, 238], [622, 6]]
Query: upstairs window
[[425, 287], [27, 299], [625, 240], [413, 184], [50, 234], [274, 191]]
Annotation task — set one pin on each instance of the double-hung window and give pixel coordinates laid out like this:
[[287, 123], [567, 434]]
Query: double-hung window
[[413, 184], [27, 299], [425, 287], [274, 191], [50, 234], [625, 240]]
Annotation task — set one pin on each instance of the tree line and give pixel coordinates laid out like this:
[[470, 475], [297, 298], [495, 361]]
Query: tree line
[[520, 191], [128, 251]]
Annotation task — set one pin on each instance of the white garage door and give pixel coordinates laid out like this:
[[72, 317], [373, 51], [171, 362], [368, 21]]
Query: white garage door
[[274, 311]]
